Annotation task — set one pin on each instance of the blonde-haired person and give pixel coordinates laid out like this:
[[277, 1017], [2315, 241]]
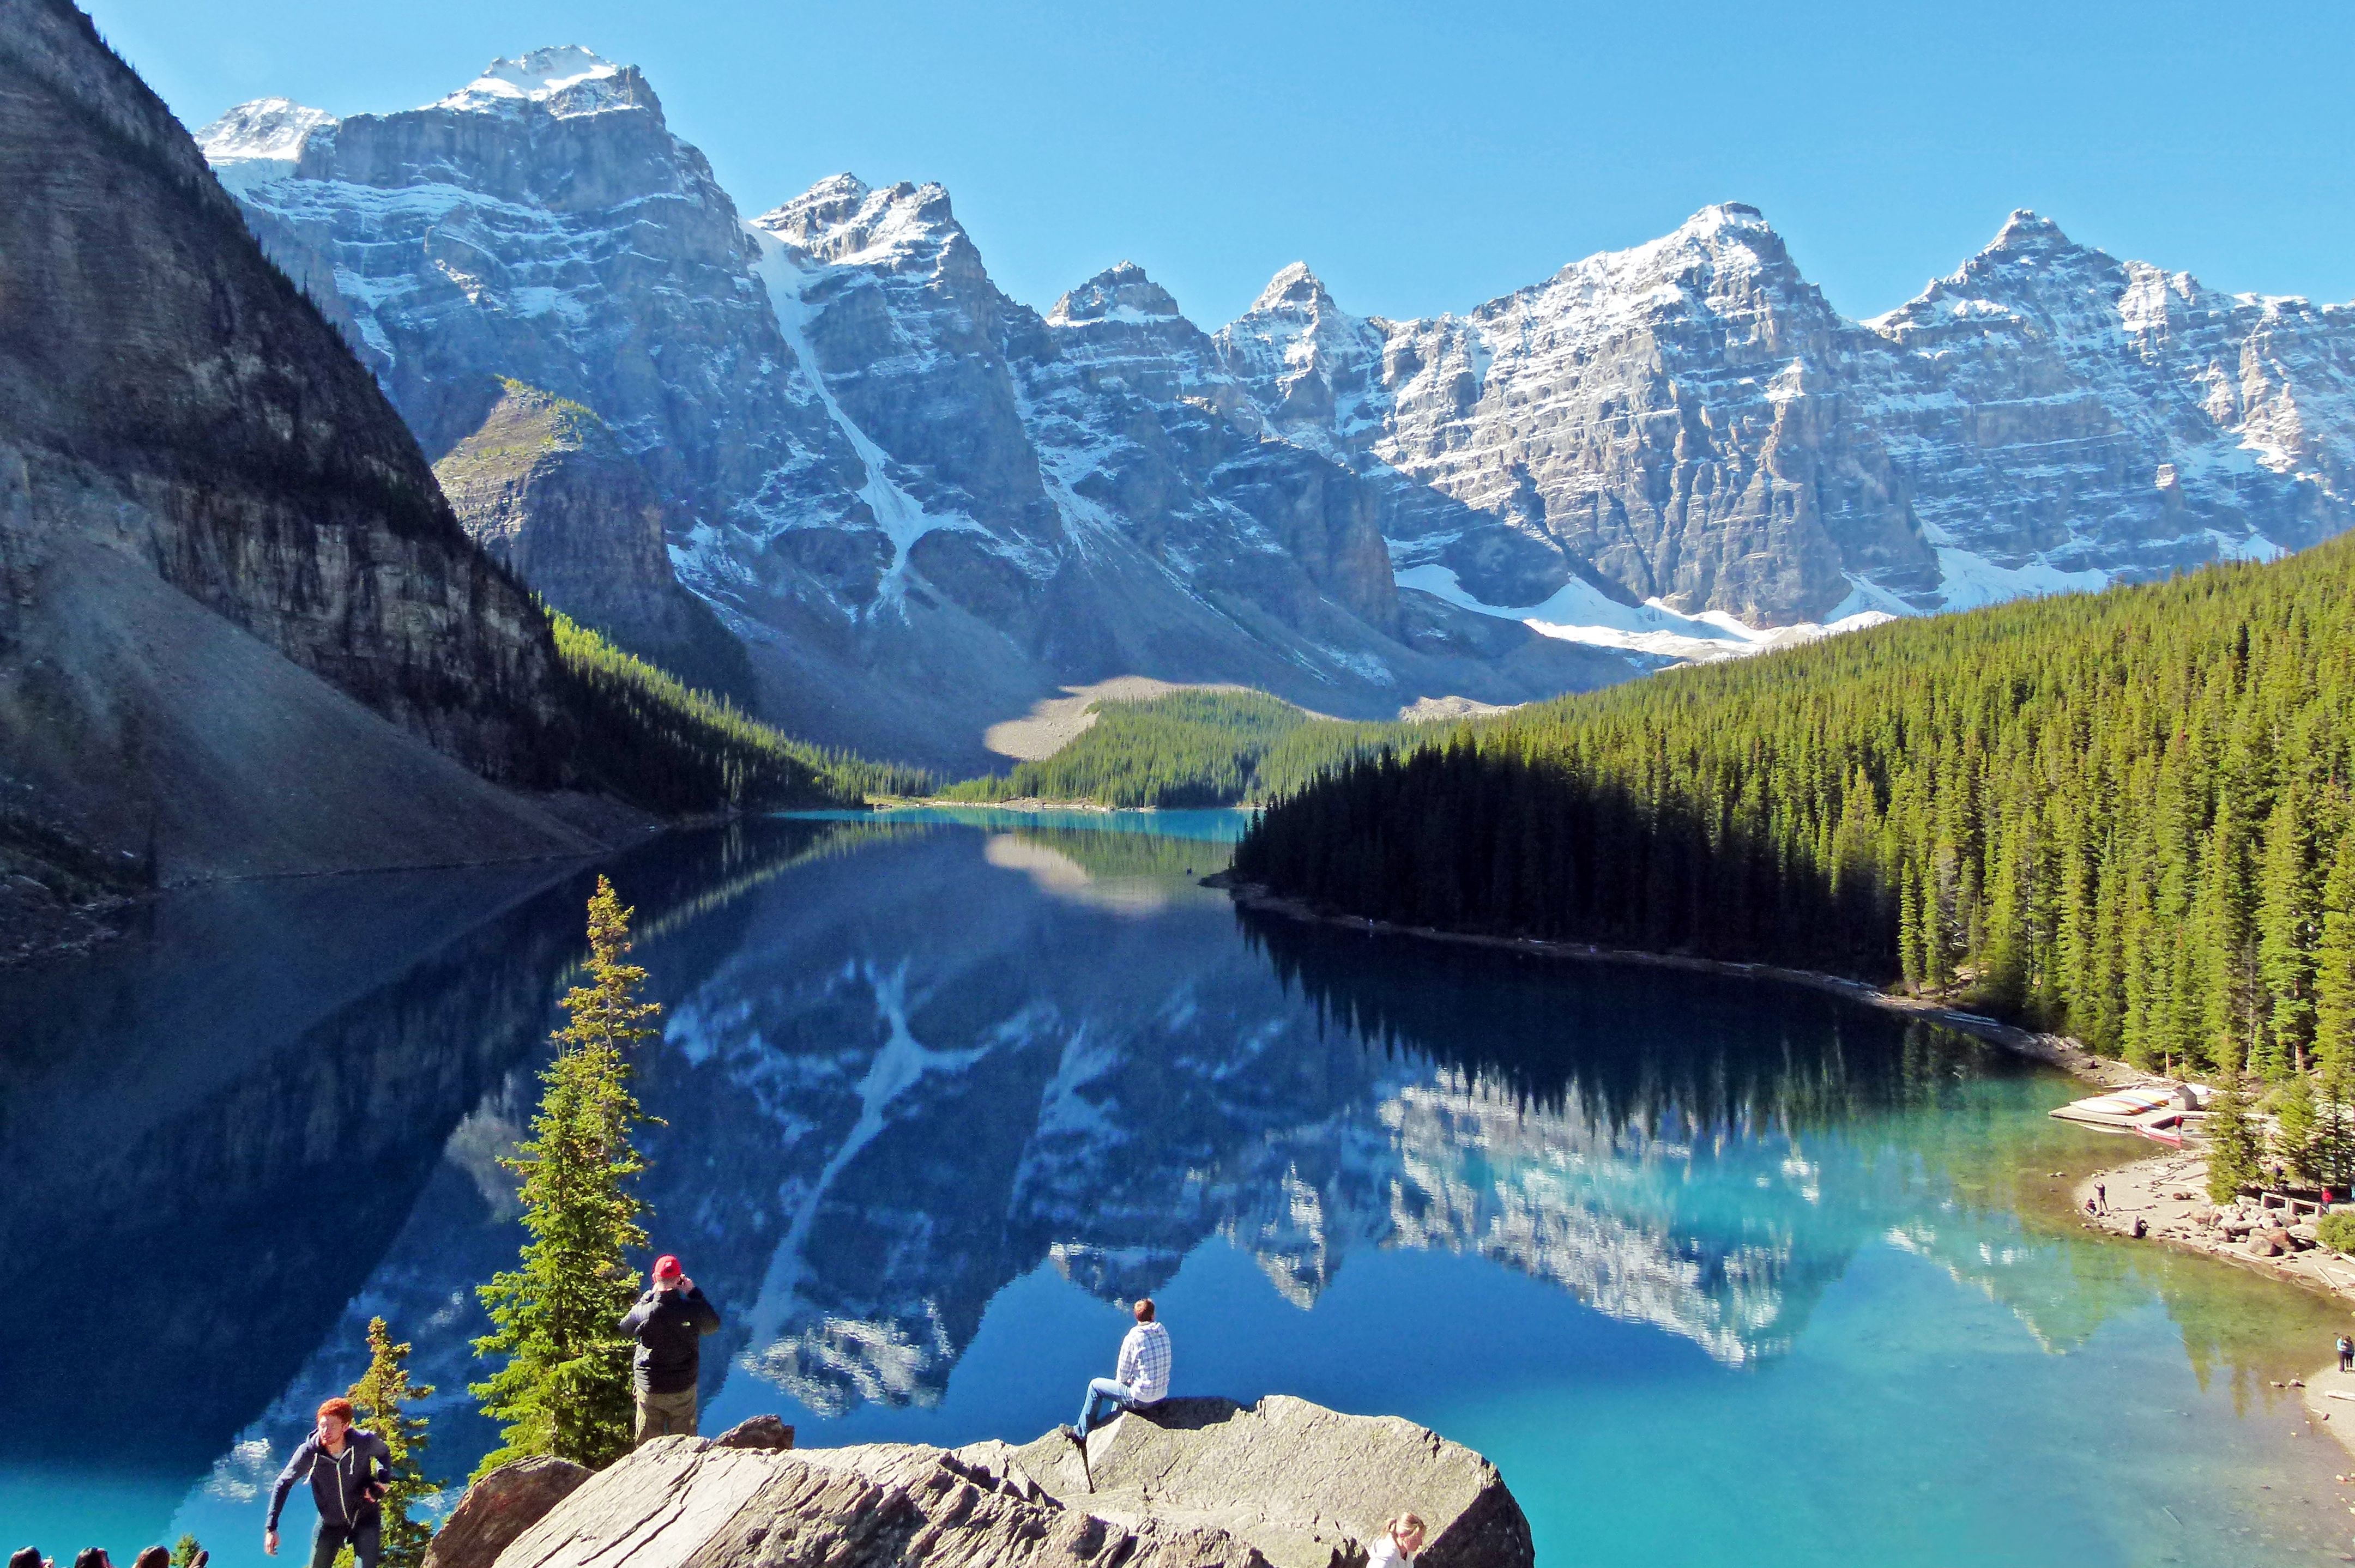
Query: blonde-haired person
[[1401, 1542]]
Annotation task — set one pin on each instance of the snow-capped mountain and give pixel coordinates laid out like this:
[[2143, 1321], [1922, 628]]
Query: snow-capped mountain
[[917, 500], [1690, 424], [923, 505]]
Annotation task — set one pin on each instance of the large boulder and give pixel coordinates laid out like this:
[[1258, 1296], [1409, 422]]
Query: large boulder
[[769, 1432], [501, 1507], [1308, 1485], [1195, 1482], [681, 1501]]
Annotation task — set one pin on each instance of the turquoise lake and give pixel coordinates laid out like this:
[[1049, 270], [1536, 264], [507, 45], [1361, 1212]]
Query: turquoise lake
[[1716, 1271]]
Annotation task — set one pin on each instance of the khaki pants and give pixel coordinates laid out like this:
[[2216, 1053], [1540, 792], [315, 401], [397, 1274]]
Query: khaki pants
[[666, 1415]]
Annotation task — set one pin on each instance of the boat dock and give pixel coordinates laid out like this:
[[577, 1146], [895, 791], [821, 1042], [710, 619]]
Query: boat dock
[[2156, 1111]]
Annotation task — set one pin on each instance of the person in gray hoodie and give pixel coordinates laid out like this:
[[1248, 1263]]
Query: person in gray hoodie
[[350, 1469]]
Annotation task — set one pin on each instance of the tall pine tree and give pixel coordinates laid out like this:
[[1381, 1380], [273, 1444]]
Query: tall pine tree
[[2297, 1129], [2233, 1145], [2334, 965], [383, 1397], [2288, 929], [565, 1387]]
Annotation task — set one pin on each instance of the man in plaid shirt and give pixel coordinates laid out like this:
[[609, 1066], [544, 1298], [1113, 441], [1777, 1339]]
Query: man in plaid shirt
[[1141, 1378]]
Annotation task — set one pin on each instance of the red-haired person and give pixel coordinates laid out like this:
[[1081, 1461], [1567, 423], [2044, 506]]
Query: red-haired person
[[351, 1470]]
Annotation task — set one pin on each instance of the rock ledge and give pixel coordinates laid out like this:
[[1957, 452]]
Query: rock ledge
[[1193, 1483]]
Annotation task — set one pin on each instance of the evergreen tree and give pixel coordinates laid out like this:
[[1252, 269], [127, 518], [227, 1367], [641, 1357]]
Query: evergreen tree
[[2334, 1131], [2295, 1129], [2288, 930], [2334, 964], [565, 1388], [2233, 1145], [383, 1397], [185, 1551]]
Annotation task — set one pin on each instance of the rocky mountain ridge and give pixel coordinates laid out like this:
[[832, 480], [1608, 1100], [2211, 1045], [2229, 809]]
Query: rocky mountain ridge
[[241, 633], [882, 470], [1690, 422], [924, 504]]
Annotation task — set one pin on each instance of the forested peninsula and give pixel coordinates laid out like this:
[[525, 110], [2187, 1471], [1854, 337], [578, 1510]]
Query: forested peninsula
[[1188, 750], [2125, 816]]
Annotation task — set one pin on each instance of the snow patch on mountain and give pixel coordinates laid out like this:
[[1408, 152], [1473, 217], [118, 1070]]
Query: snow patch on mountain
[[259, 141], [1967, 580], [1580, 613], [902, 518], [578, 76]]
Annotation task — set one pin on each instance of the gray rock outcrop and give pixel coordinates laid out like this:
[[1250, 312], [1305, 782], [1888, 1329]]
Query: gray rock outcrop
[[679, 1501], [1282, 1484], [1307, 1486], [769, 1433], [544, 486], [499, 1507]]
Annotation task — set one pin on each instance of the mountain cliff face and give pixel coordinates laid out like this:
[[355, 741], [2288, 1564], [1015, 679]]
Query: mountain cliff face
[[223, 555], [924, 504], [545, 487], [1689, 421]]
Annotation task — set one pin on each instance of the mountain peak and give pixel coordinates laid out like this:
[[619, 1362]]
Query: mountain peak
[[541, 76], [1718, 217], [1121, 292], [1295, 286], [267, 129], [844, 186], [2028, 231]]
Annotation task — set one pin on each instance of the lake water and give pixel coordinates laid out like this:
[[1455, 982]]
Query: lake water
[[1716, 1271]]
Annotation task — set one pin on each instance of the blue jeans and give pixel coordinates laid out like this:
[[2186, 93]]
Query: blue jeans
[[1104, 1388], [365, 1539]]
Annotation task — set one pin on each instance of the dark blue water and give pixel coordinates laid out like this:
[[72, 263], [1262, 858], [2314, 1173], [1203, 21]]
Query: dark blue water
[[1714, 1270]]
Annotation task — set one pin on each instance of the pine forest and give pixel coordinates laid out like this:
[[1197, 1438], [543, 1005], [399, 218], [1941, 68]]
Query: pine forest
[[2125, 816]]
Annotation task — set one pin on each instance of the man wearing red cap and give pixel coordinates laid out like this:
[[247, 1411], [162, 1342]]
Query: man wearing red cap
[[668, 1323]]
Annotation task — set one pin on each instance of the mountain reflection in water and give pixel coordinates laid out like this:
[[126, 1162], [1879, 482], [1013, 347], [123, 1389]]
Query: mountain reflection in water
[[906, 1064]]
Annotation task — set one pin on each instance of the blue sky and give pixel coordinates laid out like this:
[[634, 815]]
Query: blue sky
[[1428, 157]]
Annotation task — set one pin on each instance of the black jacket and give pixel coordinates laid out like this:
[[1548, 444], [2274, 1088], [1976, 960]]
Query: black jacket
[[669, 1326], [339, 1482]]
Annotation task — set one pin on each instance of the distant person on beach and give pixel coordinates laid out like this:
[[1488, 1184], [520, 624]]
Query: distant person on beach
[[350, 1469], [2346, 1363], [668, 1323], [2102, 1196], [1140, 1378], [1401, 1542]]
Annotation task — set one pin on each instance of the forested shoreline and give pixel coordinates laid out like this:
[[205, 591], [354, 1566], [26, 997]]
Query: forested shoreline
[[655, 741], [2123, 816]]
